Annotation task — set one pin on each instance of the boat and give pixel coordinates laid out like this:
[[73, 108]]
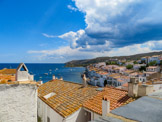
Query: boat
[[45, 73]]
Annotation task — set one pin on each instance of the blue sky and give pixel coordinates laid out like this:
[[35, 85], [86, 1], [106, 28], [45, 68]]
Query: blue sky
[[22, 24], [57, 31]]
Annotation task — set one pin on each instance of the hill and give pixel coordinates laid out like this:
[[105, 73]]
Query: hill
[[77, 63]]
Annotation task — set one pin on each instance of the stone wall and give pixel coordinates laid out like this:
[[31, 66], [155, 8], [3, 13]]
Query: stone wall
[[18, 103], [144, 90]]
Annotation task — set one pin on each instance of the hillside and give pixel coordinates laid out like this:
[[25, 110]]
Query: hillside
[[77, 63]]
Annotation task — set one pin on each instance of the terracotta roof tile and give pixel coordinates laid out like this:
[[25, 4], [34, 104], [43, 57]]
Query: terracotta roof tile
[[8, 71], [69, 96], [117, 98]]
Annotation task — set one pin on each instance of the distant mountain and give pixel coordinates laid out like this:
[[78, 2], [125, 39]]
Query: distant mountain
[[86, 62]]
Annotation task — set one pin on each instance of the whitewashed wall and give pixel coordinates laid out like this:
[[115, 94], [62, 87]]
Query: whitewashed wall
[[45, 111], [94, 115], [18, 103]]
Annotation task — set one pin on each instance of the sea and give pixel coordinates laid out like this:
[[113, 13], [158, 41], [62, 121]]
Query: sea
[[45, 71]]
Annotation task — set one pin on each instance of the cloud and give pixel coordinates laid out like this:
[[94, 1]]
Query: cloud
[[117, 22], [66, 53], [49, 36], [72, 8]]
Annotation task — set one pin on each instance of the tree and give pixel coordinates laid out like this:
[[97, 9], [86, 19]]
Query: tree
[[113, 63], [135, 62], [161, 62], [152, 63], [142, 68], [107, 63], [129, 66]]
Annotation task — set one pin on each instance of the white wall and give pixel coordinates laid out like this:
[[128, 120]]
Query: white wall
[[45, 111], [94, 115], [78, 116], [157, 87], [18, 103]]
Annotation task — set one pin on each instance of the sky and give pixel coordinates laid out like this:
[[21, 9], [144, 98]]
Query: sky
[[57, 31]]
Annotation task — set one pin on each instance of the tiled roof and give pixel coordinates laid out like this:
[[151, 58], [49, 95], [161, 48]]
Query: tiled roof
[[129, 71], [125, 85], [68, 98], [8, 71], [152, 67], [117, 98], [5, 78]]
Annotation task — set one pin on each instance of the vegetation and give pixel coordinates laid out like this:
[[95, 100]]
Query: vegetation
[[142, 68], [39, 119], [161, 62], [76, 63], [153, 63], [129, 66], [111, 63], [135, 62]]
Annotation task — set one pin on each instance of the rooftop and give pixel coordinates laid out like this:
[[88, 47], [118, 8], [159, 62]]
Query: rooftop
[[145, 109], [8, 71], [69, 97], [117, 98], [152, 67]]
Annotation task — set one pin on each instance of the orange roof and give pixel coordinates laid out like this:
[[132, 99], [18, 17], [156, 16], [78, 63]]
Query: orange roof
[[120, 80], [152, 67], [125, 85], [8, 71], [129, 71], [117, 98], [68, 98]]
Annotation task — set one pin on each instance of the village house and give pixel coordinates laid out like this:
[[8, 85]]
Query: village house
[[61, 101], [155, 58], [117, 79], [129, 63], [128, 72], [149, 59], [139, 75], [144, 109], [100, 64], [18, 97], [136, 67], [153, 69], [145, 59], [120, 69]]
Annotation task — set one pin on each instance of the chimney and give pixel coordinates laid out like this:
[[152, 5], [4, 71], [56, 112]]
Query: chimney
[[133, 87], [105, 106], [84, 81], [53, 77]]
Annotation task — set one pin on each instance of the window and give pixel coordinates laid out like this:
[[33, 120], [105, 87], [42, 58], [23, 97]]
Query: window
[[48, 119], [88, 114]]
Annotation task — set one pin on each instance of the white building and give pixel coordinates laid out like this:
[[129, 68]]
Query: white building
[[153, 69], [100, 64], [155, 58], [150, 59], [18, 100], [62, 101], [138, 66], [22, 73]]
